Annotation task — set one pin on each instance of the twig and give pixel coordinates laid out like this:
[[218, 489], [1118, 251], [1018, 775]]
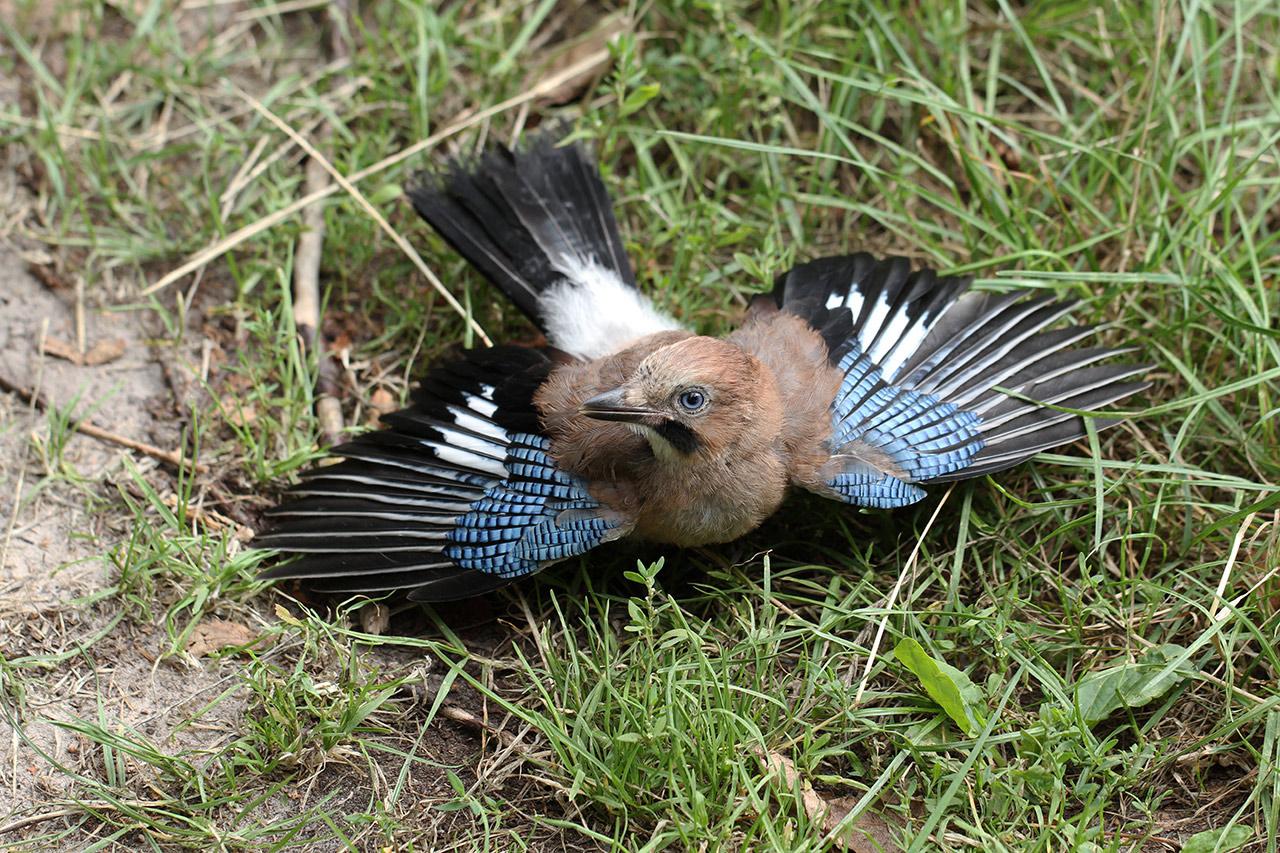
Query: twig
[[396, 237], [32, 820], [106, 805], [306, 307], [306, 268], [226, 244], [508, 740], [172, 457], [81, 335]]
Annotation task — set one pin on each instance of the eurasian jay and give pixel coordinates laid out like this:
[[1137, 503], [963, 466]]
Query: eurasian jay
[[858, 379]]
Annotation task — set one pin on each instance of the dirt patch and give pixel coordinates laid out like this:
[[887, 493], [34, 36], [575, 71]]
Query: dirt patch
[[52, 555]]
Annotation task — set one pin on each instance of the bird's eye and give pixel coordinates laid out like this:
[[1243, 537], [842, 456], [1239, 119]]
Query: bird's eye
[[692, 400]]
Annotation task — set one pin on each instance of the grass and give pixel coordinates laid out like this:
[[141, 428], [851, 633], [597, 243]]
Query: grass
[[1115, 605]]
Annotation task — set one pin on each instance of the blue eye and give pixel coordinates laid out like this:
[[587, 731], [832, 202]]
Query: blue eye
[[692, 400]]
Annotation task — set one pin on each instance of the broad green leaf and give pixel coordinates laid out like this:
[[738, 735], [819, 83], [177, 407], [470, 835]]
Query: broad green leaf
[[1218, 840], [959, 697], [1129, 684]]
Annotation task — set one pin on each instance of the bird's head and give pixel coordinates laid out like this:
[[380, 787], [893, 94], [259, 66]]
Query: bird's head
[[697, 397]]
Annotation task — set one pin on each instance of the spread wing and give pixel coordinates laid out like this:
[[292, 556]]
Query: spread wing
[[458, 496], [922, 358]]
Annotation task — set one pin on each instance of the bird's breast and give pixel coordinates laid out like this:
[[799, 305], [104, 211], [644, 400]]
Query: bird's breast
[[703, 504]]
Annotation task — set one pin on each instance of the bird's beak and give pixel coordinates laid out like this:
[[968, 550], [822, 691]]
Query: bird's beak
[[612, 406]]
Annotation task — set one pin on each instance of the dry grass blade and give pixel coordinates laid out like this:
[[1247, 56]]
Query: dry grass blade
[[235, 238], [1218, 611], [908, 570], [372, 212]]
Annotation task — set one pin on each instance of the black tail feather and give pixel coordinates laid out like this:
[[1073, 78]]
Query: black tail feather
[[517, 215]]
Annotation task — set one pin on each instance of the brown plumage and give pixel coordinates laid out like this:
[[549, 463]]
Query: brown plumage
[[713, 487], [860, 380]]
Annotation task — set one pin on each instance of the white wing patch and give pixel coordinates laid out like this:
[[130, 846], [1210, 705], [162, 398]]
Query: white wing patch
[[890, 337], [469, 453], [483, 405], [903, 343], [483, 446], [852, 300], [901, 337], [480, 426], [593, 313], [867, 331]]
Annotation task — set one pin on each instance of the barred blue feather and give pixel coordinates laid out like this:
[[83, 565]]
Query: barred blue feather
[[875, 489], [921, 435], [538, 515]]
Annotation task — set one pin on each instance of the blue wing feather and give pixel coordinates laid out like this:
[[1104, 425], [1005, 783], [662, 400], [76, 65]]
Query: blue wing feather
[[536, 516], [921, 436]]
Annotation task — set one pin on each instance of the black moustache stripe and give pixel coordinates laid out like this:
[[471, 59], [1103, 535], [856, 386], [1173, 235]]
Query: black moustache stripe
[[678, 436]]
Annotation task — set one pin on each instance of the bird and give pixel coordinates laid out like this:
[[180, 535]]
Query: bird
[[861, 379]]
